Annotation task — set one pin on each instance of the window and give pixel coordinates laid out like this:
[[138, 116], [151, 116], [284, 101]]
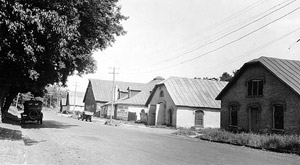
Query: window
[[255, 88], [278, 116], [161, 94], [234, 115]]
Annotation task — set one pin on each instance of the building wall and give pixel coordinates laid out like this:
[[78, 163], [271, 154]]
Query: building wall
[[76, 108], [90, 102], [186, 117], [273, 91], [124, 111], [162, 104]]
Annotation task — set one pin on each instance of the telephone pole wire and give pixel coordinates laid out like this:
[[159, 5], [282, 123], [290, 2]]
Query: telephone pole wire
[[113, 92]]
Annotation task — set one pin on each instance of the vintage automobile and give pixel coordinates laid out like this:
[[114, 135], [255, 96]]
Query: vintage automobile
[[86, 115], [32, 112]]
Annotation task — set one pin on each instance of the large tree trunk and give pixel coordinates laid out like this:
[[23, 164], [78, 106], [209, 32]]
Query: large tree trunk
[[8, 100], [3, 92]]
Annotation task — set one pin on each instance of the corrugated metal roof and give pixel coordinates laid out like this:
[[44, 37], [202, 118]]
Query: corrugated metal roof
[[102, 88], [140, 98], [288, 71], [194, 92]]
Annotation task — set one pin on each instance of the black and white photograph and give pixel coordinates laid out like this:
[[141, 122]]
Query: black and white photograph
[[150, 82]]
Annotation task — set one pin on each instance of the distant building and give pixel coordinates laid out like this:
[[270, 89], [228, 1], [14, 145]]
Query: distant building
[[184, 102], [99, 92], [131, 105], [264, 96], [73, 102]]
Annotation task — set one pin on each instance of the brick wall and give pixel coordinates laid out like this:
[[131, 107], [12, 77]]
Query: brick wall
[[274, 90]]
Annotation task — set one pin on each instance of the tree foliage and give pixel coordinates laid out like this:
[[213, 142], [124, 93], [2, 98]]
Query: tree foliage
[[45, 41], [225, 77]]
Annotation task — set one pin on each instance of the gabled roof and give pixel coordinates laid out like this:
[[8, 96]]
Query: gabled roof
[[141, 97], [102, 88], [192, 92], [287, 71]]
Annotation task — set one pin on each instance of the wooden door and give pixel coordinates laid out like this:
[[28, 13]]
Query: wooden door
[[152, 115], [253, 118], [199, 118]]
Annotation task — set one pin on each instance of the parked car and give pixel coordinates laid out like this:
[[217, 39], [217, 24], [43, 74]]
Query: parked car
[[32, 112]]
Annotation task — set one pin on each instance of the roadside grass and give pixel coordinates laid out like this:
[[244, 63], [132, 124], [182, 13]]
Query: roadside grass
[[185, 132], [273, 142]]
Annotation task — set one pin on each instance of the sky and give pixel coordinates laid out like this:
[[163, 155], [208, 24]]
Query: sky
[[196, 38]]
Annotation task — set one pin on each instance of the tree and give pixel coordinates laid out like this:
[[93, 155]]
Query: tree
[[45, 41], [226, 77], [213, 78]]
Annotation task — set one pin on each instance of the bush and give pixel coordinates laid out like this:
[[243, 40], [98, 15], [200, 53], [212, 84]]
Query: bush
[[287, 143], [185, 132]]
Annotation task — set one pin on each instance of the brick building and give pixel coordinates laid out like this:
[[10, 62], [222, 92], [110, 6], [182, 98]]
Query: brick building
[[264, 96]]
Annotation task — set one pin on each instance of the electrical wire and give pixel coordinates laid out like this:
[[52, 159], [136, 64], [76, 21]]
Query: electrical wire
[[227, 44], [239, 13], [248, 53], [225, 35]]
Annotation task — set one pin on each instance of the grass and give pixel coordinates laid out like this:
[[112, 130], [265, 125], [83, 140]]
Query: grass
[[283, 143], [185, 132]]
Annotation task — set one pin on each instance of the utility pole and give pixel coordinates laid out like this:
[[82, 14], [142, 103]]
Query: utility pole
[[113, 92], [75, 96]]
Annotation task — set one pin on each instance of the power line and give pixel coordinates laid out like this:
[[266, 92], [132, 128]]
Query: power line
[[228, 29], [239, 13], [229, 43], [249, 52], [225, 35], [228, 18]]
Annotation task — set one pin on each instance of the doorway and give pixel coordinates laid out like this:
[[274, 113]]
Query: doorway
[[170, 117], [199, 118], [253, 119]]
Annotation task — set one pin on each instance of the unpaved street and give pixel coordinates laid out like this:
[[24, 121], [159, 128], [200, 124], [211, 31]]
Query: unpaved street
[[62, 140]]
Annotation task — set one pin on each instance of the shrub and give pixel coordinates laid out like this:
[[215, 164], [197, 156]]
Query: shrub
[[185, 132], [287, 143]]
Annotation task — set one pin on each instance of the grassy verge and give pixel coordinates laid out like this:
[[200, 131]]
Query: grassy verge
[[274, 142], [185, 132]]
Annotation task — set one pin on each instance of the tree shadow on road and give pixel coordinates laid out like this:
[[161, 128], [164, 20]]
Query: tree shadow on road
[[16, 135], [30, 142], [10, 134], [47, 124]]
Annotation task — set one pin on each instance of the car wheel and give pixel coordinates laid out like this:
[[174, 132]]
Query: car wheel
[[33, 115]]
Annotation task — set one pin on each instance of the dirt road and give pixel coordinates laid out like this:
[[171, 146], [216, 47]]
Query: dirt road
[[63, 140]]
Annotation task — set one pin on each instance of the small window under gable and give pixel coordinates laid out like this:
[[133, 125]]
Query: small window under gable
[[161, 94], [255, 87]]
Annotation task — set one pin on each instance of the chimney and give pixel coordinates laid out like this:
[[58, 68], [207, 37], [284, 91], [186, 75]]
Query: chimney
[[129, 92]]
